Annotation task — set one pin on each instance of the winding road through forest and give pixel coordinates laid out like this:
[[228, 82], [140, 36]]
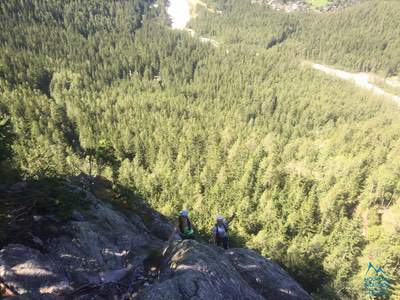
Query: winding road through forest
[[363, 80], [180, 14]]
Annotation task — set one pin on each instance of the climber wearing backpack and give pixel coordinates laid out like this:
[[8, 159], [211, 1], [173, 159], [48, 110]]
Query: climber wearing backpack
[[184, 226], [220, 232]]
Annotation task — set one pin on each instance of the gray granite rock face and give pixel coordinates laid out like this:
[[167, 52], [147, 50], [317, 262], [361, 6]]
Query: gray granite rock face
[[104, 253], [98, 246], [198, 271], [29, 271], [265, 276], [193, 270]]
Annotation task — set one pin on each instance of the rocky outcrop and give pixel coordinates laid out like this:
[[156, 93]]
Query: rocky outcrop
[[265, 276], [193, 270], [198, 271], [98, 247], [28, 271], [103, 252]]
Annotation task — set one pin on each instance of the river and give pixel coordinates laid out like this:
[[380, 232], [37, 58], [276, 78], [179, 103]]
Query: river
[[178, 11]]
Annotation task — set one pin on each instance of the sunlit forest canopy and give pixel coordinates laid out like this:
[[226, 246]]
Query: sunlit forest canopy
[[363, 37], [309, 163]]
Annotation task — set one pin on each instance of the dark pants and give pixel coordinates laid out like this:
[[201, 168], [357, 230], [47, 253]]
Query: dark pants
[[222, 242], [187, 237]]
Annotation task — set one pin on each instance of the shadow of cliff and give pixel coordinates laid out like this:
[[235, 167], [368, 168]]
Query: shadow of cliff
[[40, 211], [35, 208]]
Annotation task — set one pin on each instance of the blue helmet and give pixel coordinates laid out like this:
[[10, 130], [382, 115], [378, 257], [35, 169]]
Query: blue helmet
[[184, 213]]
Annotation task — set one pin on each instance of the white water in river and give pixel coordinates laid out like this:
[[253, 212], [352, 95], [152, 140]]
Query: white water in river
[[178, 11]]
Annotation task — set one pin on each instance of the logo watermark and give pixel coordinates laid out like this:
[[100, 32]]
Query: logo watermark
[[376, 282]]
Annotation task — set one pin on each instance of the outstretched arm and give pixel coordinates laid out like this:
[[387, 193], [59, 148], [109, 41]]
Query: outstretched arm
[[231, 218]]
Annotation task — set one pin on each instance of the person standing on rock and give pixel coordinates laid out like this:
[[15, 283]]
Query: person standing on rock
[[184, 226], [220, 232]]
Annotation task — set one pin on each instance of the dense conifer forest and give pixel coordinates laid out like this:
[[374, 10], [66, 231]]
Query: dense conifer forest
[[309, 163]]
